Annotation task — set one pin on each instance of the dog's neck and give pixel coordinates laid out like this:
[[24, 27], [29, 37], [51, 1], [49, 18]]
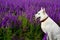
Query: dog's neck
[[44, 19]]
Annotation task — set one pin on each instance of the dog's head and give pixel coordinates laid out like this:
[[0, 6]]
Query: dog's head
[[41, 14]]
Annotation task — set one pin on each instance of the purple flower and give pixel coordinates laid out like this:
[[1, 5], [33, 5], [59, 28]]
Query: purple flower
[[4, 20], [31, 7], [45, 37]]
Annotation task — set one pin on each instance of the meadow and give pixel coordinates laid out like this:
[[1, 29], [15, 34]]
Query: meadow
[[17, 20]]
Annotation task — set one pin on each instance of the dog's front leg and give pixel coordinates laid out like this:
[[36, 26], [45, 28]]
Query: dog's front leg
[[50, 36], [47, 37]]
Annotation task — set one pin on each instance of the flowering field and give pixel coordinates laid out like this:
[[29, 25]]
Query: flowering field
[[17, 18]]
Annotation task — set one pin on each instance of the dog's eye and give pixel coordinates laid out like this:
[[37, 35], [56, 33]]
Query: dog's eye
[[38, 13]]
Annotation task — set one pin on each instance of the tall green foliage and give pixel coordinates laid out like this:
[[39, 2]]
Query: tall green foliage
[[27, 31]]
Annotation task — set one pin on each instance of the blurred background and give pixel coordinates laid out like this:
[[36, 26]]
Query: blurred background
[[17, 18]]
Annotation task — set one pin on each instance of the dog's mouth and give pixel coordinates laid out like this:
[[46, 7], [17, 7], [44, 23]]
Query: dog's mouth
[[38, 18], [35, 19]]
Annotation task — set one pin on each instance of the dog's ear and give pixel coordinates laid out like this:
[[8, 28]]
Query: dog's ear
[[42, 8]]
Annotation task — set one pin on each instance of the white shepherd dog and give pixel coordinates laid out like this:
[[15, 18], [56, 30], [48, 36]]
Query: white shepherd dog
[[48, 25]]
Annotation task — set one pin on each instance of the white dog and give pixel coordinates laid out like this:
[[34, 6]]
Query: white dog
[[48, 25]]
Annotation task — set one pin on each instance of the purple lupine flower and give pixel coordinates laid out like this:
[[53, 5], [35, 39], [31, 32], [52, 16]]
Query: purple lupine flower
[[45, 37], [4, 21], [33, 6]]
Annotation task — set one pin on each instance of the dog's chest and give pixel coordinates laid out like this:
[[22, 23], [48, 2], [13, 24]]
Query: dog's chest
[[45, 26]]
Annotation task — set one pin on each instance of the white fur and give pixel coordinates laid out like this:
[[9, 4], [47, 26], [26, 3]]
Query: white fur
[[48, 26]]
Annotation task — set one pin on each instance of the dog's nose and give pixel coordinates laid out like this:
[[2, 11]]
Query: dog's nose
[[35, 17]]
